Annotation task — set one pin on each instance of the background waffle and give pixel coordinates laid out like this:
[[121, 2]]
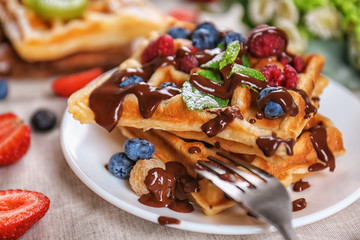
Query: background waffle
[[104, 24], [173, 115], [170, 147]]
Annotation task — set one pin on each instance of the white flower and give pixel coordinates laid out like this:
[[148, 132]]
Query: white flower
[[297, 44], [323, 22], [261, 11], [286, 9]]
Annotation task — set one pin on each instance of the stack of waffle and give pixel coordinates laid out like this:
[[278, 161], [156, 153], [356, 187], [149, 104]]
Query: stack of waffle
[[186, 136], [101, 37]]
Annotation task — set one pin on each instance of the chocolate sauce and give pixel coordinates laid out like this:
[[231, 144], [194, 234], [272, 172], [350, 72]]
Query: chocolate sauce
[[299, 204], [282, 97], [193, 150], [269, 145], [205, 55], [309, 107], [162, 187], [318, 138], [252, 121], [219, 123], [300, 186], [106, 100], [207, 145], [167, 220]]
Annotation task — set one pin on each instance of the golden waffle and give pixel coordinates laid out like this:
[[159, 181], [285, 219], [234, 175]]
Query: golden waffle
[[105, 24], [173, 115], [169, 147]]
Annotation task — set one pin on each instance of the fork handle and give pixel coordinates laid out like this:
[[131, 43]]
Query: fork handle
[[287, 231]]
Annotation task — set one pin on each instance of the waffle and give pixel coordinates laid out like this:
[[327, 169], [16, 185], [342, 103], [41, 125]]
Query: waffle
[[105, 24], [173, 115], [170, 147]]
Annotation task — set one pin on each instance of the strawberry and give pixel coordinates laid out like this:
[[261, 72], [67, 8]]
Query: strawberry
[[14, 139], [65, 86], [185, 14], [19, 211]]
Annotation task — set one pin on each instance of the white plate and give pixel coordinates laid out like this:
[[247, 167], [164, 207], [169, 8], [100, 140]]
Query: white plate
[[87, 149]]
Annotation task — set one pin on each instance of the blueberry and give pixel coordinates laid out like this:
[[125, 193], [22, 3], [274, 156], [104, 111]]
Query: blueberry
[[43, 120], [137, 148], [120, 165], [209, 27], [3, 89], [202, 38], [234, 36], [179, 32], [131, 80], [168, 84], [272, 109]]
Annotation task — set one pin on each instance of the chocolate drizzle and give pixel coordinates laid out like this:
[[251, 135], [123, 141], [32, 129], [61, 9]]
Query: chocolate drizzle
[[282, 97], [269, 144], [318, 138], [194, 150], [300, 186], [162, 185], [167, 220], [299, 204], [219, 123], [309, 107]]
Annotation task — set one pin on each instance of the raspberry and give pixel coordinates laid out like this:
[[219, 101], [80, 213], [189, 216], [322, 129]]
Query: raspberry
[[164, 45], [264, 43], [186, 63], [290, 76], [298, 63], [139, 173], [273, 75]]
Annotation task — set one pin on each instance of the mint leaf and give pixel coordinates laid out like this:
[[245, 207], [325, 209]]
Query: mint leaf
[[231, 53], [237, 68], [214, 63], [197, 100], [221, 45], [245, 61], [212, 75]]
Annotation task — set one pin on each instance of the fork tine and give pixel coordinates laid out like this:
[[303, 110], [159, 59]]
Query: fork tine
[[252, 179], [241, 184], [255, 170], [227, 187]]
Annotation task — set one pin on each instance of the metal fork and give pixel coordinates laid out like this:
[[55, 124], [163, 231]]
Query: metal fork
[[261, 193]]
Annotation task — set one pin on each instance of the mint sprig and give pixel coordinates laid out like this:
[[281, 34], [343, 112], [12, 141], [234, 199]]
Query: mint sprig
[[224, 58], [213, 75], [237, 68], [231, 53], [198, 100]]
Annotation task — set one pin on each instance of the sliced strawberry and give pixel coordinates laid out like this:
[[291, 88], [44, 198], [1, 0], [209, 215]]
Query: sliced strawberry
[[65, 86], [19, 211], [185, 14], [14, 139]]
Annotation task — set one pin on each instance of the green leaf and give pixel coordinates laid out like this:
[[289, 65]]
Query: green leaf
[[231, 53], [198, 100], [214, 63], [237, 68], [245, 61], [221, 45], [212, 75]]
